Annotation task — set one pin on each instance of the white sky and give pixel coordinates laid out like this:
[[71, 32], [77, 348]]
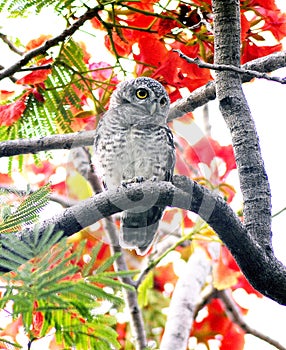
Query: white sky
[[267, 102]]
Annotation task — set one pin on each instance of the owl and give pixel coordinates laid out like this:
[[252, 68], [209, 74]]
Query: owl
[[134, 143]]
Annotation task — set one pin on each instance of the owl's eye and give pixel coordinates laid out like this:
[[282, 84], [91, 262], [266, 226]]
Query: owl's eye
[[142, 93], [163, 101]]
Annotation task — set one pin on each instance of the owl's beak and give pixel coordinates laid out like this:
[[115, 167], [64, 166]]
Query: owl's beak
[[153, 107]]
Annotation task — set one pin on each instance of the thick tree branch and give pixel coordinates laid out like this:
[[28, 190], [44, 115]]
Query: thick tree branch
[[253, 178], [35, 145], [260, 266], [234, 108]]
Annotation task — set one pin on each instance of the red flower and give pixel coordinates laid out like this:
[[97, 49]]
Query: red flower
[[178, 73], [117, 44], [164, 274], [206, 150], [275, 22], [5, 95], [32, 44], [153, 53], [11, 112], [37, 76], [103, 74], [217, 323], [165, 25], [252, 51]]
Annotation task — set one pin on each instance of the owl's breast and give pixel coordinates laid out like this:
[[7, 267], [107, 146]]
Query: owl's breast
[[147, 152], [136, 151]]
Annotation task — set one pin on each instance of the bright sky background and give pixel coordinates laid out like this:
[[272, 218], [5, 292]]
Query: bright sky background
[[267, 102]]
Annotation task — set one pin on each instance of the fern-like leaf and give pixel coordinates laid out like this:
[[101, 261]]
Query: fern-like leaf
[[53, 286], [19, 8], [15, 252], [27, 212]]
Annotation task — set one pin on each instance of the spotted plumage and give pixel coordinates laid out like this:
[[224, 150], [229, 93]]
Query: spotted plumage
[[133, 141]]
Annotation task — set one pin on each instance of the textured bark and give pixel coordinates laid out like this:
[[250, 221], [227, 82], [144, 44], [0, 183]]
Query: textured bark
[[260, 266], [233, 105], [35, 145]]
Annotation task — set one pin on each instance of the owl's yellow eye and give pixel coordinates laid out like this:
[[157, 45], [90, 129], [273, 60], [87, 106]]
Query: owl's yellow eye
[[142, 93]]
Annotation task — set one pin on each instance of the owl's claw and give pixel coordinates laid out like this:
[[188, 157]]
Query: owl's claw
[[136, 179]]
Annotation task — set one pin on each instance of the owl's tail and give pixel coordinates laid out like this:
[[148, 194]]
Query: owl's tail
[[138, 229]]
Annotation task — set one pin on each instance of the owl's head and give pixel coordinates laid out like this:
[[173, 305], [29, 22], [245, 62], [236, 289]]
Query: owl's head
[[145, 95]]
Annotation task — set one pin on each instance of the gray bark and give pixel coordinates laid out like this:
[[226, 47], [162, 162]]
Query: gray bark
[[260, 266]]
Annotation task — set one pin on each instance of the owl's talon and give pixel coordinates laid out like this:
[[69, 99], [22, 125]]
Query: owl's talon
[[124, 184], [136, 179]]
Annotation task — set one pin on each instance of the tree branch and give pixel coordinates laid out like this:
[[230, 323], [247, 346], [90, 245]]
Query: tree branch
[[207, 92], [34, 68], [11, 46], [86, 138], [186, 194], [235, 110], [35, 145], [89, 14], [12, 78], [185, 299], [231, 68], [234, 314]]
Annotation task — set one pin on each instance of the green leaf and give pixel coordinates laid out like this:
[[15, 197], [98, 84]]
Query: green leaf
[[108, 263], [15, 252], [47, 285], [28, 210], [144, 288]]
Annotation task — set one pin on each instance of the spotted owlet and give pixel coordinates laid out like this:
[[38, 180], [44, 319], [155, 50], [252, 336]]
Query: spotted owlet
[[133, 142]]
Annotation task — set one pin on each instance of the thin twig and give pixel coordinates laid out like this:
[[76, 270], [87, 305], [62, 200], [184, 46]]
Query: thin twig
[[278, 213], [153, 263], [208, 294], [234, 314], [206, 93], [33, 68], [11, 46], [226, 67]]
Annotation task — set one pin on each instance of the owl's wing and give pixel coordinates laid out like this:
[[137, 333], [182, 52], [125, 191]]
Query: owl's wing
[[171, 154], [98, 134], [97, 163]]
